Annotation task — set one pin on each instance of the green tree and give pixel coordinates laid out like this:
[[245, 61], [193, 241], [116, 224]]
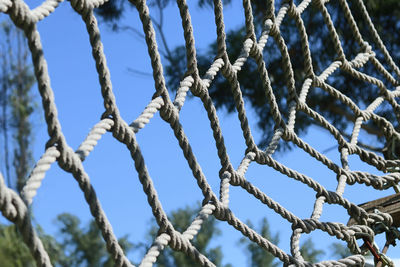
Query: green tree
[[16, 81], [257, 255], [181, 219], [17, 104], [78, 246], [14, 252], [323, 53], [309, 252], [339, 250], [384, 14], [84, 246], [5, 77]]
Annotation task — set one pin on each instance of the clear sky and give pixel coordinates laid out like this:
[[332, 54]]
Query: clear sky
[[110, 167]]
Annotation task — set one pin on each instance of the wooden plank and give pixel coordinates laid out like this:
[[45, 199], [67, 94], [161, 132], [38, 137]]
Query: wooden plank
[[389, 204]]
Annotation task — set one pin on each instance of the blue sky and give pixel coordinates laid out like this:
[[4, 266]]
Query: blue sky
[[110, 167]]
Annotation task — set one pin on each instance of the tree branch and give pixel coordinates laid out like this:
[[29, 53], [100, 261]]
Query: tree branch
[[138, 34], [141, 73], [160, 28], [7, 53], [359, 143], [338, 110]]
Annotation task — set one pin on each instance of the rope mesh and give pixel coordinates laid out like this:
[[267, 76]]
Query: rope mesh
[[15, 207]]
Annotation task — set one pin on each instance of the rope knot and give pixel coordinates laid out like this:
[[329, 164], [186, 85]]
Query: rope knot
[[251, 155], [226, 175], [169, 112], [7, 205], [359, 232], [81, 6], [351, 178], [348, 146], [362, 231], [319, 3], [268, 25], [378, 217], [198, 89], [21, 15], [292, 8], [367, 47], [236, 179], [274, 31], [346, 66], [302, 225], [255, 51], [122, 131], [228, 70], [68, 160], [5, 5], [176, 242], [366, 115], [288, 134], [221, 212]]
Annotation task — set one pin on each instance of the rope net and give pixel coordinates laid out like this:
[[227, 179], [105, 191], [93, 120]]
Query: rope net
[[15, 207]]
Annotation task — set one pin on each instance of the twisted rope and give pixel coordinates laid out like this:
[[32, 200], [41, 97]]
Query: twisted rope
[[14, 208]]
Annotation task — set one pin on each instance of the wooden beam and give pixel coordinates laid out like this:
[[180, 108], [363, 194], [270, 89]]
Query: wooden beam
[[389, 204]]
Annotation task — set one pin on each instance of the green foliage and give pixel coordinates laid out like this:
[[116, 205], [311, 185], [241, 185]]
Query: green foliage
[[385, 16], [309, 252], [181, 219], [339, 250], [257, 255], [113, 11], [323, 53], [84, 246], [17, 103], [78, 246], [14, 252]]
